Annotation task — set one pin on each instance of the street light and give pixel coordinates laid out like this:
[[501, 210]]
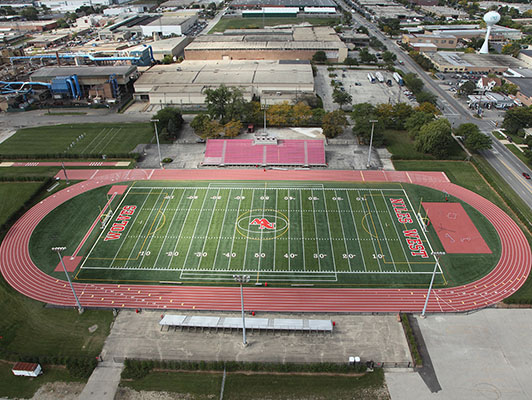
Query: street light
[[242, 279], [437, 254], [59, 250], [373, 121], [157, 138]]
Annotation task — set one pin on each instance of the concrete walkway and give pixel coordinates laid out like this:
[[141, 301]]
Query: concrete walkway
[[103, 383]]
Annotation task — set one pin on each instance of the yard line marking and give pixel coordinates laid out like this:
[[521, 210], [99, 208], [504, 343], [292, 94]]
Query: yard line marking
[[261, 233], [208, 227], [372, 241], [169, 230], [315, 228], [302, 230], [88, 146], [234, 230], [142, 230], [275, 240], [181, 230], [151, 173], [247, 236], [289, 233], [385, 237], [221, 229], [195, 227], [356, 232], [399, 236], [103, 230], [153, 234], [102, 139], [132, 223], [343, 231], [330, 234]]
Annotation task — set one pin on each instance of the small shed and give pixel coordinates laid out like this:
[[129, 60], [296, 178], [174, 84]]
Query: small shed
[[27, 369]]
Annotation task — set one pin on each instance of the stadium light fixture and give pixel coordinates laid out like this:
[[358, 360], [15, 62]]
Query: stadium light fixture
[[373, 121], [242, 279], [59, 250], [155, 121], [436, 254]]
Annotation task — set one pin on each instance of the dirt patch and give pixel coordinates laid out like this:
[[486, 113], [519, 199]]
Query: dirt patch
[[130, 394], [59, 391]]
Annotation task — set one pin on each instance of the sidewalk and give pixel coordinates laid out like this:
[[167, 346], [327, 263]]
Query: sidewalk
[[103, 383]]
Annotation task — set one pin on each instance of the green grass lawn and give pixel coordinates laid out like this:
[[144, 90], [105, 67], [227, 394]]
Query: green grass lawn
[[346, 235], [12, 386], [13, 194], [81, 139], [238, 386], [401, 146], [517, 152], [250, 23]]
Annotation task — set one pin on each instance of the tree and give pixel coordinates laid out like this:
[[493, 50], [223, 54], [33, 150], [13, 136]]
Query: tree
[[362, 110], [426, 97], [333, 123], [362, 29], [415, 121], [467, 88], [30, 13], [167, 59], [366, 57], [435, 138], [512, 49], [476, 141], [165, 115], [341, 98], [401, 112], [385, 114], [319, 57], [362, 129], [517, 118], [428, 108], [350, 61], [388, 57], [301, 114], [205, 127], [224, 103], [61, 23], [413, 83], [232, 128]]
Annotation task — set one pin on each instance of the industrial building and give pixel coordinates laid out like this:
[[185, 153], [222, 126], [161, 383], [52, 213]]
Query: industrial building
[[378, 9], [445, 12], [73, 5], [185, 83], [173, 46], [446, 61], [96, 83], [300, 4], [474, 31], [439, 41], [524, 93], [146, 25], [299, 43], [28, 26]]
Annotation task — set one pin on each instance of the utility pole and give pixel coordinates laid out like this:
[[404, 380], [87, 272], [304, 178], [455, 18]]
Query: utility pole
[[242, 279], [59, 250], [437, 254], [64, 171], [373, 121], [155, 121]]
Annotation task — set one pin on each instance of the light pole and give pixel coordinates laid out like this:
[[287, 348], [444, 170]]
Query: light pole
[[264, 106], [155, 121], [59, 250], [437, 254], [242, 279], [373, 121]]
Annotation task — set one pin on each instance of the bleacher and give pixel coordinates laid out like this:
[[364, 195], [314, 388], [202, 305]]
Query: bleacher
[[279, 152]]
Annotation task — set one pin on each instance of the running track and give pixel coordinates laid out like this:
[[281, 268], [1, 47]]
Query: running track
[[509, 274]]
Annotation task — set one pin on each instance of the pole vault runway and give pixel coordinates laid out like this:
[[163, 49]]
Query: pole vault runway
[[508, 275]]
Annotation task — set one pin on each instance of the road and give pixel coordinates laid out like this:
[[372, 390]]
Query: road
[[499, 157]]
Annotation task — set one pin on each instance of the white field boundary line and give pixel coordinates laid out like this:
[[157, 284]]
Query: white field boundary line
[[384, 231], [196, 225], [98, 218], [208, 228], [262, 234], [181, 229], [168, 230], [330, 233], [343, 232], [148, 219], [269, 187], [315, 228], [401, 238], [110, 140], [356, 231], [275, 239], [369, 231], [157, 217], [234, 229], [424, 234], [102, 139], [220, 232], [289, 229], [93, 139], [113, 218], [302, 229]]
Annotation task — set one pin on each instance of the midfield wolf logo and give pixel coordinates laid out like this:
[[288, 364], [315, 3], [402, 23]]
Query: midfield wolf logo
[[264, 223]]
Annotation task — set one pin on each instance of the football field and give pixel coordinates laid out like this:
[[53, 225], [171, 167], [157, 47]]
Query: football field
[[298, 233]]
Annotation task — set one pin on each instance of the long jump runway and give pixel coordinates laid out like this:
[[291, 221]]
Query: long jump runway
[[508, 275]]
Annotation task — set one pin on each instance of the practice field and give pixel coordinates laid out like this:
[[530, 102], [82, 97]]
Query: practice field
[[82, 139], [308, 233]]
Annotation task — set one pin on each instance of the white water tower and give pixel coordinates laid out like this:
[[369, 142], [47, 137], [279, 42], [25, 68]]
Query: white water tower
[[491, 19]]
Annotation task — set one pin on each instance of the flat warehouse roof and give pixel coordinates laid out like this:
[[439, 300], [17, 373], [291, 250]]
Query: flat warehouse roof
[[84, 71]]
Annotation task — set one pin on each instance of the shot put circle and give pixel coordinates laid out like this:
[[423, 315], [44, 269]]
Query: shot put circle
[[262, 224]]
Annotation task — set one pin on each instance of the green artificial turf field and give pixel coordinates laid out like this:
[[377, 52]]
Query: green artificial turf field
[[281, 233]]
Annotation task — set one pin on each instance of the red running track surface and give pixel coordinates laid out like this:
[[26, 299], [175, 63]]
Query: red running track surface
[[509, 274]]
